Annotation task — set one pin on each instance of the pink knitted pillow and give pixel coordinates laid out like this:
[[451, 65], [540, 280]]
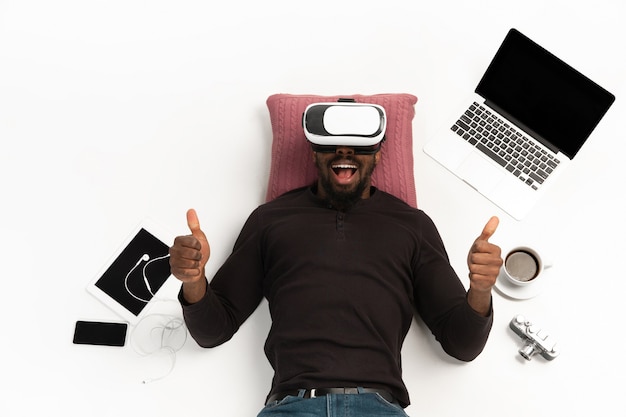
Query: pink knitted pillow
[[293, 167]]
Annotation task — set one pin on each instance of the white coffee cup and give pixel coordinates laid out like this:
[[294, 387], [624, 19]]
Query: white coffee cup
[[524, 265]]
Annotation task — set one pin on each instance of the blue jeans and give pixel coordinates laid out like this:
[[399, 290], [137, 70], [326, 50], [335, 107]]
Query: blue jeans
[[333, 405]]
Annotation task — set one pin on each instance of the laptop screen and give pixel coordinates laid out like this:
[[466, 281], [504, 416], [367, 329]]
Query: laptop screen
[[547, 98]]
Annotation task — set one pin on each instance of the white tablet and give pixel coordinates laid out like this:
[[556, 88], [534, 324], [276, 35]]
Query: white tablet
[[135, 273]]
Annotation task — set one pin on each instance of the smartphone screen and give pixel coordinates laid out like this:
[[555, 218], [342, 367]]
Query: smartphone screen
[[100, 333]]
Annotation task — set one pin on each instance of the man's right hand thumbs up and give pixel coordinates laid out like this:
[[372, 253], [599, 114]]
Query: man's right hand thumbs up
[[190, 253]]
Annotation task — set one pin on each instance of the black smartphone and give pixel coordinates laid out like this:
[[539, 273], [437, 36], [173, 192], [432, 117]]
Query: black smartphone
[[100, 333]]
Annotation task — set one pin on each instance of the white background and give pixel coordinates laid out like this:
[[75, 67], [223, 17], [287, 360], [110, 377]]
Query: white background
[[115, 111]]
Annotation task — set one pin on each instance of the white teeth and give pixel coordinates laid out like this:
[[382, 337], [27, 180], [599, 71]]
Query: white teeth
[[344, 166]]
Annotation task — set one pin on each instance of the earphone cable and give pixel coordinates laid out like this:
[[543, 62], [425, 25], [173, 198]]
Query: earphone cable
[[165, 331]]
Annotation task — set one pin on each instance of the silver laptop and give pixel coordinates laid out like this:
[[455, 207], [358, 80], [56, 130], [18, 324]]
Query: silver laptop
[[529, 116]]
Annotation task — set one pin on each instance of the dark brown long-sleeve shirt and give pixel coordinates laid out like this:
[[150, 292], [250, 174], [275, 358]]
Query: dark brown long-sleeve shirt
[[342, 289]]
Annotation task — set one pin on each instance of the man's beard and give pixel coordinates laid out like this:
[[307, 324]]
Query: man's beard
[[345, 199]]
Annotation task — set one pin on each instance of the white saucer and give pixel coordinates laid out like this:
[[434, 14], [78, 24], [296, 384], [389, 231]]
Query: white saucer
[[523, 292]]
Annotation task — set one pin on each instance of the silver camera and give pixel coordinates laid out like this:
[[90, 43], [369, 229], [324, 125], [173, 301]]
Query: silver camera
[[535, 339]]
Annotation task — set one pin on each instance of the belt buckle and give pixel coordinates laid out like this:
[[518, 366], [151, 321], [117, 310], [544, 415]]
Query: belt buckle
[[312, 393]]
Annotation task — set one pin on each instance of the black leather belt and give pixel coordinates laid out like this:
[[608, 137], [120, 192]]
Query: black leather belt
[[320, 392]]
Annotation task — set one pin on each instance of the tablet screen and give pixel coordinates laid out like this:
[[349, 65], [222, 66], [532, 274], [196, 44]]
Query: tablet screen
[[137, 273]]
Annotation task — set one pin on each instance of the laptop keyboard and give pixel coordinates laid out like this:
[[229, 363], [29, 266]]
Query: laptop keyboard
[[503, 143]]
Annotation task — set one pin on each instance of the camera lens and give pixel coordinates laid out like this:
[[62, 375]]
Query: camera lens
[[527, 351]]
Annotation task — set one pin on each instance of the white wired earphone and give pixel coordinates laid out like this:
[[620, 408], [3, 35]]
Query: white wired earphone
[[144, 258], [167, 327]]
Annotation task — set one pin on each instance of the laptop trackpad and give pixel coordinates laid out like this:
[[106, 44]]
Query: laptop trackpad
[[480, 172]]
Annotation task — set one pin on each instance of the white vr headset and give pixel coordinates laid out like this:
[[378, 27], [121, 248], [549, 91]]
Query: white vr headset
[[344, 123]]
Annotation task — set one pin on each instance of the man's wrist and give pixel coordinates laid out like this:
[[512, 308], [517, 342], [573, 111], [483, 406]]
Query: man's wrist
[[480, 301], [194, 291]]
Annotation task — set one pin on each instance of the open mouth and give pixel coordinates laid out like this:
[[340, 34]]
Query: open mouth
[[344, 170]]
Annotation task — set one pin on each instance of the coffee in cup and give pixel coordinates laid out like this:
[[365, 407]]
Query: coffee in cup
[[523, 265]]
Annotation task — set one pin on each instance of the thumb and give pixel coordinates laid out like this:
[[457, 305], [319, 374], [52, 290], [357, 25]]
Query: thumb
[[194, 225], [489, 229]]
